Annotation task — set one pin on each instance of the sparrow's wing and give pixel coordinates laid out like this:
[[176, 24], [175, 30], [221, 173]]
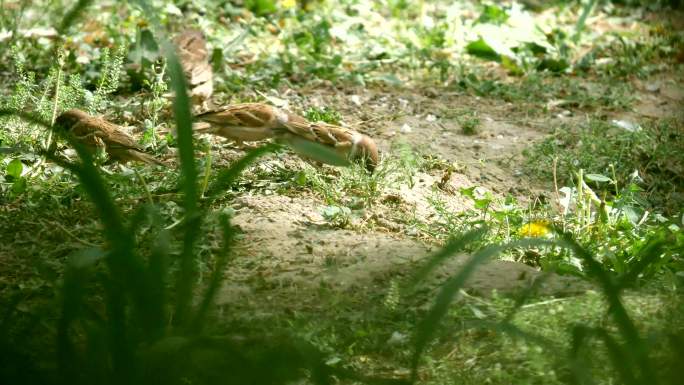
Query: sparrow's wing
[[242, 115], [345, 142], [86, 134], [132, 154], [194, 58], [320, 132], [111, 134], [192, 48]]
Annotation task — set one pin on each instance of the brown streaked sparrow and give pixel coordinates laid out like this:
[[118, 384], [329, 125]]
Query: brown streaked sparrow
[[246, 122], [346, 142], [249, 122], [194, 58], [96, 132]]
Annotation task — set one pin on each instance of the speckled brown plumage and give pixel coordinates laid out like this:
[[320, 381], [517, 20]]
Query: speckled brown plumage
[[249, 122], [96, 132], [194, 58]]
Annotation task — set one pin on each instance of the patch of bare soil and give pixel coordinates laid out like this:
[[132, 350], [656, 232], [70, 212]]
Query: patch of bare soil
[[429, 121], [659, 97], [289, 252]]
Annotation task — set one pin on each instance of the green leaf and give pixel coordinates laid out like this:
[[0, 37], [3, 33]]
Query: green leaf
[[19, 186], [300, 178], [493, 14], [455, 245], [226, 177], [482, 203], [481, 49], [428, 325], [632, 214], [261, 7], [147, 48], [389, 79], [14, 168], [598, 178], [511, 65], [553, 65], [467, 192]]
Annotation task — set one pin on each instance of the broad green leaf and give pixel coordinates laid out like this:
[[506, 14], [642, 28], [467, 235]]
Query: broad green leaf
[[19, 186], [482, 203], [467, 192], [389, 79], [511, 65], [598, 178], [553, 65], [493, 14], [632, 214], [261, 7], [481, 49], [14, 168]]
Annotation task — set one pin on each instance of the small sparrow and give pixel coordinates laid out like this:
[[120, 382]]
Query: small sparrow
[[348, 143], [246, 122], [249, 122], [194, 58], [96, 132]]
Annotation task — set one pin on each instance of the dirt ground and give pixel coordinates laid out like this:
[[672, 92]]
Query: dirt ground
[[289, 248]]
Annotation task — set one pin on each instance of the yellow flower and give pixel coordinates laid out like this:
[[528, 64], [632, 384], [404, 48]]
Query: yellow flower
[[287, 4], [534, 229]]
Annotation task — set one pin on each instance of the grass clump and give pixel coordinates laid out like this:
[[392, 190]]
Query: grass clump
[[646, 156]]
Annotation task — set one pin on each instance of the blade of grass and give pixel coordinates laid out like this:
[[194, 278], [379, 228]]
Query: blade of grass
[[72, 15], [428, 325], [452, 247], [618, 312], [226, 177], [216, 275], [648, 255], [579, 366], [157, 276], [126, 270], [73, 289], [579, 27], [187, 272]]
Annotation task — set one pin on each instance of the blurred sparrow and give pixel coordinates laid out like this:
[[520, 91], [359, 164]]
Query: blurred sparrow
[[96, 133], [346, 142], [246, 122], [250, 122], [194, 58]]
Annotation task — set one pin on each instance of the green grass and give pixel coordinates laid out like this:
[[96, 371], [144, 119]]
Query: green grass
[[120, 266], [645, 158]]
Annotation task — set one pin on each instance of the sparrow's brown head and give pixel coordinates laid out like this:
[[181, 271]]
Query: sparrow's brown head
[[69, 118], [364, 148]]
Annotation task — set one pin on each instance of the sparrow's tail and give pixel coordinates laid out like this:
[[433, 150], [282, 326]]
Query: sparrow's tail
[[145, 158], [202, 127]]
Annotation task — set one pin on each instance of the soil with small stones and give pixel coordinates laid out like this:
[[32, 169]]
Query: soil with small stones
[[290, 251]]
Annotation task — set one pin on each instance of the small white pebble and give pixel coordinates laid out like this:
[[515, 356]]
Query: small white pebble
[[405, 129], [626, 125]]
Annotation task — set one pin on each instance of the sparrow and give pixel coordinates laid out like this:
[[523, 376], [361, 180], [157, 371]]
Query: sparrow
[[346, 142], [194, 58], [246, 122], [96, 132], [250, 122]]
